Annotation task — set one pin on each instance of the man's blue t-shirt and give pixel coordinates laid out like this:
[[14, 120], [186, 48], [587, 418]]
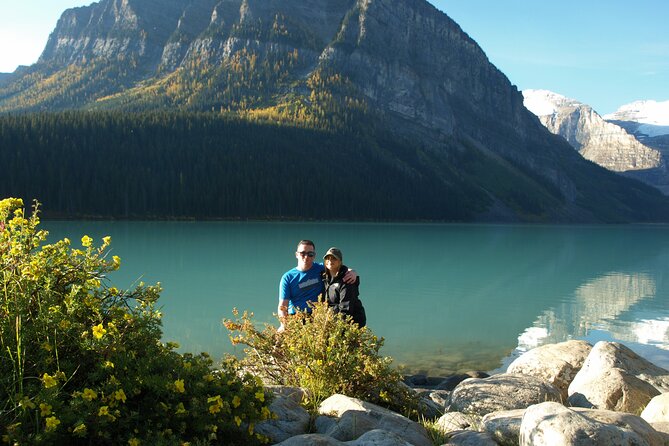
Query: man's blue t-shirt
[[300, 287]]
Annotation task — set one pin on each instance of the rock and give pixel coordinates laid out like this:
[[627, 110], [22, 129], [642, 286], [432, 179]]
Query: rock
[[613, 377], [375, 437], [291, 418], [457, 421], [355, 417], [504, 426], [379, 437], [554, 363], [662, 427], [657, 411], [310, 440], [611, 389], [440, 397], [451, 382], [621, 419], [553, 424], [500, 392], [471, 438], [429, 409]]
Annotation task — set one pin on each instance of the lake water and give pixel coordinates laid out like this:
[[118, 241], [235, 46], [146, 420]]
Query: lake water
[[446, 298]]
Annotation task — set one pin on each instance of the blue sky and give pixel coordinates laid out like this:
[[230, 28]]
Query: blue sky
[[605, 53]]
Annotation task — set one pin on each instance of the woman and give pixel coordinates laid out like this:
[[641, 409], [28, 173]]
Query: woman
[[341, 296]]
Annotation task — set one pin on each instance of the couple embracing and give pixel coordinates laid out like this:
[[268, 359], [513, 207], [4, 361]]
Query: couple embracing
[[309, 279]]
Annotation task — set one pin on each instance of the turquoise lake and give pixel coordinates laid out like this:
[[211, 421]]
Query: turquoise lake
[[445, 297]]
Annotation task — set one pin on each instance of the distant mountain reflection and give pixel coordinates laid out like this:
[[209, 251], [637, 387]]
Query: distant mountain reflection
[[601, 306]]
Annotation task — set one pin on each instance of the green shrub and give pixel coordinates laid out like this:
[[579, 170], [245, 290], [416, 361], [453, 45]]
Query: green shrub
[[324, 353], [81, 362]]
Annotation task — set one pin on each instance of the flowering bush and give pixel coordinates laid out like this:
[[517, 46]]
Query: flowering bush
[[325, 353], [81, 361]]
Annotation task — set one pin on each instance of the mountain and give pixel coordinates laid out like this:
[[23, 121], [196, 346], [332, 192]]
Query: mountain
[[648, 121], [652, 117], [599, 141], [397, 79]]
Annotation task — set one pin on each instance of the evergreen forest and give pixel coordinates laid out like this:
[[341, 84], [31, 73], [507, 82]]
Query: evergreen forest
[[206, 165]]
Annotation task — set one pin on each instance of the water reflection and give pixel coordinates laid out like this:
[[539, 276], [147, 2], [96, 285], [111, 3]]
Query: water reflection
[[599, 311]]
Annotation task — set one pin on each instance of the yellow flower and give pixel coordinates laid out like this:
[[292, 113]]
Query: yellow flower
[[180, 409], [80, 430], [89, 394], [208, 377], [236, 401], [265, 413], [119, 395], [48, 380], [109, 365], [104, 410], [99, 331], [218, 404], [116, 260], [260, 396], [238, 420], [251, 427], [133, 442], [52, 423], [26, 403], [179, 385], [86, 241], [44, 409], [106, 240]]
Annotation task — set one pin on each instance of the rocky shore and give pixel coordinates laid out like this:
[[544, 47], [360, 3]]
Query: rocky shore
[[571, 393]]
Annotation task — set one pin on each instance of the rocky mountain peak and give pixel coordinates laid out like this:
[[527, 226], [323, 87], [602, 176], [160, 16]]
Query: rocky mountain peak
[[597, 140]]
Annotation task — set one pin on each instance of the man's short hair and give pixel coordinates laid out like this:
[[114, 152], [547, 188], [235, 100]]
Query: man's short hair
[[306, 242]]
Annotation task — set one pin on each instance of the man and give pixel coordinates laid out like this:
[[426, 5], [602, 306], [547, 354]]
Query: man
[[304, 283]]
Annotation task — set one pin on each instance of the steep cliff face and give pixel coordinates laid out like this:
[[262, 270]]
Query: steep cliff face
[[402, 67], [113, 29], [597, 140]]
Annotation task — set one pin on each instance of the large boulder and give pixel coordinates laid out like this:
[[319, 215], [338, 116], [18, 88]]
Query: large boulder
[[354, 417], [552, 424], [500, 392], [372, 438], [291, 418], [554, 363], [504, 426], [613, 377], [657, 411]]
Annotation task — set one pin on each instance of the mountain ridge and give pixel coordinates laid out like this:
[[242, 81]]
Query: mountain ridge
[[606, 143], [399, 67]]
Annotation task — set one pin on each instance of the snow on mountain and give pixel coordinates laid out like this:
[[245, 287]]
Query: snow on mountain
[[545, 102], [653, 116]]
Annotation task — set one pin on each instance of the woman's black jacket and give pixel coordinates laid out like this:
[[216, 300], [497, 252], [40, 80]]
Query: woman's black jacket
[[344, 297]]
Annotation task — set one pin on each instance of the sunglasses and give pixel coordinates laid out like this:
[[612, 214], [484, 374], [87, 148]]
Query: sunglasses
[[307, 253]]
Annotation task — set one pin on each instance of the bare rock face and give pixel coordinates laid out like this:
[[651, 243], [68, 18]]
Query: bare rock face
[[613, 377], [551, 424], [554, 363], [597, 140], [501, 392]]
